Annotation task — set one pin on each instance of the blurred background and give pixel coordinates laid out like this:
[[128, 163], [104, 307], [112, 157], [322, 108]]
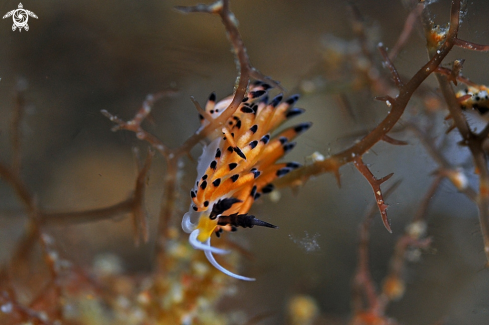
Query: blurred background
[[80, 57]]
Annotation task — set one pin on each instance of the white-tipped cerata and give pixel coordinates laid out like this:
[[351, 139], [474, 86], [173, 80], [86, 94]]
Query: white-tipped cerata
[[212, 260], [205, 247]]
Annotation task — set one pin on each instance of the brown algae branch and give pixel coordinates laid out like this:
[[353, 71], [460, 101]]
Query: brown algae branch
[[406, 32], [134, 125], [473, 141], [397, 107], [363, 284], [93, 215], [454, 174], [246, 70], [19, 187], [16, 133], [133, 204]]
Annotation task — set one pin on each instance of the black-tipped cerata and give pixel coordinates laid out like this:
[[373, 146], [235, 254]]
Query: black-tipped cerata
[[253, 144], [302, 127], [257, 93], [294, 112], [243, 220], [216, 182], [203, 185], [265, 138], [293, 165], [222, 206], [276, 100], [289, 146], [283, 171], [293, 99], [254, 108], [246, 109], [253, 191], [239, 152], [267, 188], [256, 173]]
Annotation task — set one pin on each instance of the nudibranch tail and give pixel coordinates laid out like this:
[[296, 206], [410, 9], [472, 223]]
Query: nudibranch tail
[[240, 165]]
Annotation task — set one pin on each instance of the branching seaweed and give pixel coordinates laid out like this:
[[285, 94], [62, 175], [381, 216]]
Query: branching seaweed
[[181, 286]]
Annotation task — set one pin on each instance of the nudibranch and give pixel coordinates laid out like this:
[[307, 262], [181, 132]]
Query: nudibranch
[[237, 167], [474, 98]]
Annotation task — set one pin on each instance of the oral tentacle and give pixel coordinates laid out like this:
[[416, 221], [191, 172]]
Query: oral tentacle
[[205, 247], [212, 260]]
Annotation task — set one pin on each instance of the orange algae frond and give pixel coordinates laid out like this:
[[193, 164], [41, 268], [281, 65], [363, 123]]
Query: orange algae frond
[[236, 168]]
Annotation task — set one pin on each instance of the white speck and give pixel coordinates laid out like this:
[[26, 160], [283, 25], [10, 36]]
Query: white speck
[[53, 255], [107, 264], [388, 103], [43, 316], [417, 229], [458, 178], [309, 244], [123, 302], [438, 51], [47, 239], [274, 196], [353, 155], [7, 308], [317, 156]]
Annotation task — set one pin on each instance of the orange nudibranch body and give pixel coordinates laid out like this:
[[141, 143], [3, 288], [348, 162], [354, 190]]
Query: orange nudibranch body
[[239, 166]]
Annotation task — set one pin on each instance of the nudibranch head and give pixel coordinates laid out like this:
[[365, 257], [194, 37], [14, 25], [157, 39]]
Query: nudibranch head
[[236, 168]]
